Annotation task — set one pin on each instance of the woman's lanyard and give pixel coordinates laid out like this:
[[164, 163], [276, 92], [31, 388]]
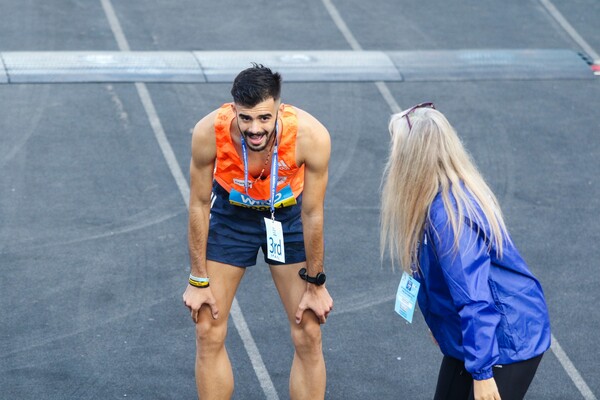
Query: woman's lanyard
[[274, 170]]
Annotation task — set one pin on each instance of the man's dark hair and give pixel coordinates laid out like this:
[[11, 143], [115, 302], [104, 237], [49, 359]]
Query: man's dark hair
[[256, 84]]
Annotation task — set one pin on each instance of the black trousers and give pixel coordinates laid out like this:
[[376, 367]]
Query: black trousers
[[513, 380]]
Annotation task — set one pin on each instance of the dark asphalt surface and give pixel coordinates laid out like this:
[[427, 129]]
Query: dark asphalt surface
[[93, 227]]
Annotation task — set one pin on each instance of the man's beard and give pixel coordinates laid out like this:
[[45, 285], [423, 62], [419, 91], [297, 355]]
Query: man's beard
[[260, 147]]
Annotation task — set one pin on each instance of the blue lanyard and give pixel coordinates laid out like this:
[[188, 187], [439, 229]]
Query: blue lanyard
[[274, 177], [274, 170]]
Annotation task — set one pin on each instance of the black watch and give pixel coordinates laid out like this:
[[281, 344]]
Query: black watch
[[318, 280]]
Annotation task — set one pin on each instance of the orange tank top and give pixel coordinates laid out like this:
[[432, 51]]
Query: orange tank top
[[229, 169]]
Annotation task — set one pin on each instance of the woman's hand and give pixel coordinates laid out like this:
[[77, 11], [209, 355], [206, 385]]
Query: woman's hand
[[486, 390]]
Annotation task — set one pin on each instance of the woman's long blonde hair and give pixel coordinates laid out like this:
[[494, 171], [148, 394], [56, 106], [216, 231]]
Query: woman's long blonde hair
[[424, 160]]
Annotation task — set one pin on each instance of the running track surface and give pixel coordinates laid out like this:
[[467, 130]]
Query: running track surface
[[93, 253]]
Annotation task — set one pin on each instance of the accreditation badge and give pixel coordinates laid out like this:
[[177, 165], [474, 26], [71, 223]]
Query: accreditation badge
[[275, 246], [406, 297]]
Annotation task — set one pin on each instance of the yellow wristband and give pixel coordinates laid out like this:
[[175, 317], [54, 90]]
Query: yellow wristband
[[198, 284]]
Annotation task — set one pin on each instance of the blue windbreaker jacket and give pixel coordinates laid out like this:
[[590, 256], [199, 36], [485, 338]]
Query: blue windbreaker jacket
[[481, 309]]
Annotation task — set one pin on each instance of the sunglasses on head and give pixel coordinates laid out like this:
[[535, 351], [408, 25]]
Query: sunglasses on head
[[413, 108]]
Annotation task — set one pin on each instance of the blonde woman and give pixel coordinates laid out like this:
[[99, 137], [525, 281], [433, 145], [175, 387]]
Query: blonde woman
[[440, 219]]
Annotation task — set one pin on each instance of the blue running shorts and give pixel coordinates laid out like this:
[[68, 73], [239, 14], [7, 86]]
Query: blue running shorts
[[236, 233]]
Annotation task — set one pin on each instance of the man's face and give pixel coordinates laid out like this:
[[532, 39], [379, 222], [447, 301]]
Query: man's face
[[257, 124]]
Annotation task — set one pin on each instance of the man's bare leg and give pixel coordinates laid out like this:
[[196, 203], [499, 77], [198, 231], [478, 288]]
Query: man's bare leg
[[214, 376], [308, 375]]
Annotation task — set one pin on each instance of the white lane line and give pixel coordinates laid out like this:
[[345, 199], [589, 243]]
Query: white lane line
[[255, 358], [388, 97], [339, 22], [163, 142], [568, 366], [556, 348], [341, 25], [115, 25], [570, 30], [566, 363], [236, 314]]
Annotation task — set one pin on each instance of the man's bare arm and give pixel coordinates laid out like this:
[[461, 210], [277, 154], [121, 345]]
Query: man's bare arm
[[314, 149], [201, 178]]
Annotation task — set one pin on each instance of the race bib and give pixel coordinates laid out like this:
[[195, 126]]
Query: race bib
[[275, 245]]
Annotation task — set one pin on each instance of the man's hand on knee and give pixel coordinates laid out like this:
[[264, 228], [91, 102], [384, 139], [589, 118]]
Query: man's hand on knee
[[194, 298], [316, 299]]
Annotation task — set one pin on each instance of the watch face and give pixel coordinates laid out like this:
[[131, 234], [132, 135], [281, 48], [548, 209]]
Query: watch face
[[320, 278]]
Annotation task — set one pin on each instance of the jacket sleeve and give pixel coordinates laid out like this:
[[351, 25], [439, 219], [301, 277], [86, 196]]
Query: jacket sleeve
[[466, 272]]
